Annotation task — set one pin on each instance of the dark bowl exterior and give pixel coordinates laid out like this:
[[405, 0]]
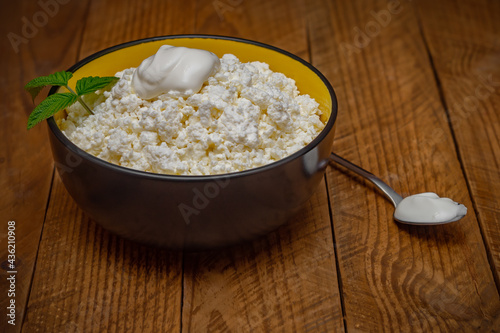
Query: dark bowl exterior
[[200, 212], [192, 212]]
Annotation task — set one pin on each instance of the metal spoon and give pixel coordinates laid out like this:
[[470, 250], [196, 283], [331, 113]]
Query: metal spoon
[[388, 192]]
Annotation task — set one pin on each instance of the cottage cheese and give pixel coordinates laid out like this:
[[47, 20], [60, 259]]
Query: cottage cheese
[[244, 116]]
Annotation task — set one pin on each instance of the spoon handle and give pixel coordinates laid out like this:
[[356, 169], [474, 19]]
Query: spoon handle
[[394, 197]]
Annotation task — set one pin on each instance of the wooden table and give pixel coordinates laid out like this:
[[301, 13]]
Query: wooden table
[[418, 84]]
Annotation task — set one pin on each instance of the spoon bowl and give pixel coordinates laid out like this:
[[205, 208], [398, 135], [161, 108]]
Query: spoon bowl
[[426, 199]]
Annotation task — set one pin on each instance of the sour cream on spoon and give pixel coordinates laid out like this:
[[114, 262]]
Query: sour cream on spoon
[[429, 208]]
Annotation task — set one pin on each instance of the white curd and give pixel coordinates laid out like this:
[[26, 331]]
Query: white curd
[[242, 116]]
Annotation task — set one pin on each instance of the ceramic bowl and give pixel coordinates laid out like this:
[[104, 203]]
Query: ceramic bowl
[[196, 212]]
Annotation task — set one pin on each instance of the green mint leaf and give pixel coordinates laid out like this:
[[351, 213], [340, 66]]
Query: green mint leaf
[[49, 106], [90, 84], [57, 79]]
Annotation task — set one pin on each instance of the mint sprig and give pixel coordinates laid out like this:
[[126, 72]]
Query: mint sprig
[[49, 106], [90, 84], [59, 101], [57, 79]]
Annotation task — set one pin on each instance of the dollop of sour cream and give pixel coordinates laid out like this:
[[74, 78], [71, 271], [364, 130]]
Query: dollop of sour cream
[[178, 69], [428, 208]]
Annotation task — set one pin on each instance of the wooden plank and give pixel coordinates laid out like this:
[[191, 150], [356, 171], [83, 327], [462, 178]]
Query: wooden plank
[[286, 281], [467, 64], [391, 121], [273, 22], [32, 44], [133, 20], [87, 280]]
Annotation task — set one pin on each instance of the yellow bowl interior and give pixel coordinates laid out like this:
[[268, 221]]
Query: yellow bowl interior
[[131, 56]]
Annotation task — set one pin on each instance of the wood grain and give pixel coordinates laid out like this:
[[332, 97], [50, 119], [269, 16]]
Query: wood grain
[[26, 166], [133, 20], [283, 282], [418, 85], [86, 279], [280, 23], [467, 62], [392, 122]]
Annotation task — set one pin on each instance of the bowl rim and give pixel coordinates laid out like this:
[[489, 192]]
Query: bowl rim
[[195, 178]]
